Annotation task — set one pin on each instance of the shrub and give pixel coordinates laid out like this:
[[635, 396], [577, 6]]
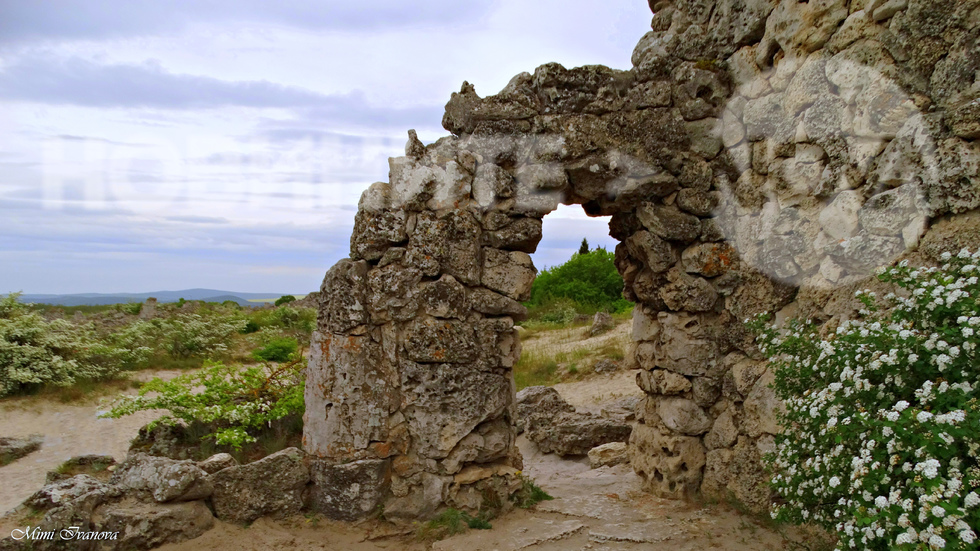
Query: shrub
[[35, 352], [278, 349], [881, 428], [529, 494], [589, 280], [192, 334], [131, 308], [233, 401], [284, 299]]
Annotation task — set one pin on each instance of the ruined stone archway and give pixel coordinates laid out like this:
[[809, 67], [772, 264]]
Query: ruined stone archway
[[714, 156]]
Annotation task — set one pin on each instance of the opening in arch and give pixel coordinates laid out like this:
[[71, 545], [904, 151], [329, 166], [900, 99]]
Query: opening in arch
[[578, 321]]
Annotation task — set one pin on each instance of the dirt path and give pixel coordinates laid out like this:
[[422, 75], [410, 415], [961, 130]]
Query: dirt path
[[605, 509]]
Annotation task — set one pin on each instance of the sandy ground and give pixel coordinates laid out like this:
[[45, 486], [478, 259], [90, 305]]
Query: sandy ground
[[69, 430]]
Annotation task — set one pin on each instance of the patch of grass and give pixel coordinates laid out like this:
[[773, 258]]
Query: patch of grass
[[86, 389], [612, 351], [535, 369], [529, 494], [449, 523]]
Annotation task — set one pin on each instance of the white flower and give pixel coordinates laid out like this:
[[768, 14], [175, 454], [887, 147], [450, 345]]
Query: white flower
[[923, 416], [835, 482], [881, 502], [971, 500], [938, 511], [968, 536], [901, 405]]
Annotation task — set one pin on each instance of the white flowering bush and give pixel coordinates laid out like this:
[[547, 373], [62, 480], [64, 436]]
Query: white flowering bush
[[35, 352], [881, 427], [233, 401], [196, 335]]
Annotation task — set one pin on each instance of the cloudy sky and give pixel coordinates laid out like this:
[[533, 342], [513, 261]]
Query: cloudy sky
[[149, 145]]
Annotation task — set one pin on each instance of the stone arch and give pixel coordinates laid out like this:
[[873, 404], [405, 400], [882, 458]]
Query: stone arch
[[409, 376], [411, 361]]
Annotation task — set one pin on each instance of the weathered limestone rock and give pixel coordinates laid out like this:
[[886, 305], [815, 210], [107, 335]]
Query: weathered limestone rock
[[522, 235], [723, 433], [63, 492], [490, 303], [446, 402], [661, 381], [350, 400], [668, 223], [575, 433], [15, 448], [509, 273], [761, 408], [683, 416], [608, 455], [273, 485], [601, 323], [683, 348], [349, 491], [146, 526], [448, 244], [539, 402], [431, 340], [166, 479], [217, 462], [670, 465]]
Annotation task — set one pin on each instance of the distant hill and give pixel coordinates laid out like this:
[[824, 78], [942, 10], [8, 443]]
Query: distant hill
[[207, 295]]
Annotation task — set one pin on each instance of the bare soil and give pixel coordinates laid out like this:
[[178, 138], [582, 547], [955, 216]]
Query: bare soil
[[69, 430]]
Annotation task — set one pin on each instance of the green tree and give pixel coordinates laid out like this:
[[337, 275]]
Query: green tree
[[589, 280], [285, 299], [584, 247]]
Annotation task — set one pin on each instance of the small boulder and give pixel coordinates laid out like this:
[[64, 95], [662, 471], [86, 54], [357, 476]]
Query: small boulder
[[539, 402], [351, 491], [166, 479], [143, 525], [601, 323], [575, 433], [272, 485], [608, 455], [217, 462], [12, 449], [605, 365], [64, 492]]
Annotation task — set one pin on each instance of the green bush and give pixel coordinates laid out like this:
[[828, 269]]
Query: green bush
[[131, 308], [284, 299], [589, 281], [882, 423], [235, 402], [279, 349]]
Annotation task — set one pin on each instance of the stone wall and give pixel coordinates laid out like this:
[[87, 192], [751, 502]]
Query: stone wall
[[760, 156]]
